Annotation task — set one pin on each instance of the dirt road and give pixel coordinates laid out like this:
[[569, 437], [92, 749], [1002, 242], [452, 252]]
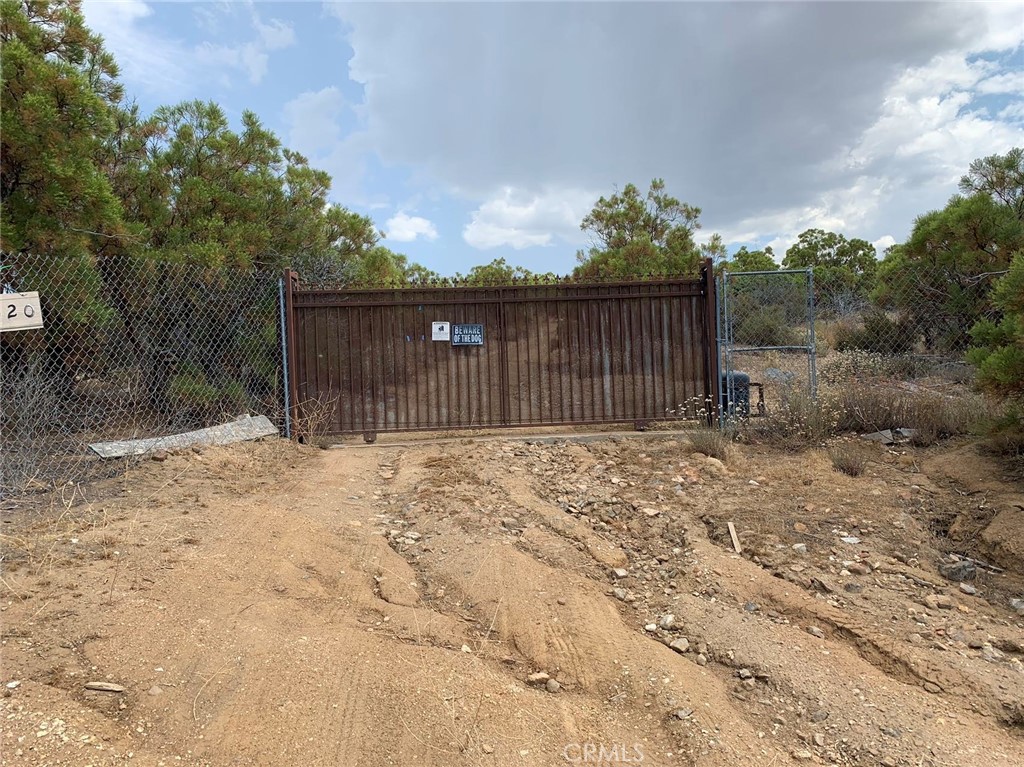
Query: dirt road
[[505, 603]]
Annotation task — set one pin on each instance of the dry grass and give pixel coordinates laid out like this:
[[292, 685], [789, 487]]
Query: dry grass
[[711, 442], [848, 459]]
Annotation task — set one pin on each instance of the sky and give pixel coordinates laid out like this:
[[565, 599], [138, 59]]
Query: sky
[[471, 131]]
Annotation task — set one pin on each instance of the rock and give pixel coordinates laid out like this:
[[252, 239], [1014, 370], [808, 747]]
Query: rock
[[853, 540], [968, 589], [667, 622], [818, 739], [939, 602], [715, 464], [487, 749], [853, 588], [859, 568], [413, 536], [511, 523], [198, 449], [800, 548], [683, 713], [975, 644], [931, 687], [800, 527], [156, 690], [466, 648], [104, 687], [552, 686], [819, 716], [681, 645], [619, 572], [702, 660], [651, 627], [959, 571], [802, 755], [815, 631], [619, 594], [744, 673], [541, 677], [1018, 605], [159, 456]]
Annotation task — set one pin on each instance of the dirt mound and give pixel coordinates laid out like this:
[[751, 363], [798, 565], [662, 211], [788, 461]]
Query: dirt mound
[[506, 603]]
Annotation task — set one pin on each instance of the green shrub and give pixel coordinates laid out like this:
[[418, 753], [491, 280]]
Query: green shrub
[[191, 392], [880, 334]]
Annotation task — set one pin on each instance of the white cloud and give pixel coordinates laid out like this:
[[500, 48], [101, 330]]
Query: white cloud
[[312, 120], [519, 220], [167, 66], [883, 243], [402, 227], [150, 60], [852, 117]]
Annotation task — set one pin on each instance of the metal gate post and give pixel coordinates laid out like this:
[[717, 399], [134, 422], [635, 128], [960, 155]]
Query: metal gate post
[[290, 280], [710, 340], [284, 359]]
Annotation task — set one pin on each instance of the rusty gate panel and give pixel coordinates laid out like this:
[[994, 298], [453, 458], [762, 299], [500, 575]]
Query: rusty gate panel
[[363, 361]]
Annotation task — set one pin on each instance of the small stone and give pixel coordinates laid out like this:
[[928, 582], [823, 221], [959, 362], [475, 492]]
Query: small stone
[[666, 622], [156, 690], [104, 687], [651, 627], [413, 536], [619, 572], [749, 684], [683, 713], [702, 660], [939, 602], [975, 644], [968, 589], [859, 568], [487, 749], [552, 686], [800, 548], [681, 645], [815, 631], [751, 607], [800, 527], [159, 456], [619, 594], [818, 739], [853, 588], [803, 755], [466, 648], [887, 762], [541, 677], [819, 716], [744, 673], [13, 685], [931, 687]]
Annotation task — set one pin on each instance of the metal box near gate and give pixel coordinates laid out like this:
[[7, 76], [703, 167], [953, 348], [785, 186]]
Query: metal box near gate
[[736, 394]]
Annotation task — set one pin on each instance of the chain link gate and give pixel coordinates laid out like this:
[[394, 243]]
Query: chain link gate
[[766, 339]]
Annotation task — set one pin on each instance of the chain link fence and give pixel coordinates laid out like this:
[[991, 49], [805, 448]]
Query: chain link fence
[[792, 332], [130, 349]]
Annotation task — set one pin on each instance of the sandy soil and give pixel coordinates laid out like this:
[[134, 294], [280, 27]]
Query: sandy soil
[[506, 603]]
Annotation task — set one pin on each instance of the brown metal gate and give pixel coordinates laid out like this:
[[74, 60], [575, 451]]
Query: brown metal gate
[[626, 352]]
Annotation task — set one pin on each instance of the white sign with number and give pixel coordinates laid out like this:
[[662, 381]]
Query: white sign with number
[[440, 331], [20, 311]]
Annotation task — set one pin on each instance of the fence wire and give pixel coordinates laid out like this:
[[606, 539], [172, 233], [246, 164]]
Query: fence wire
[[130, 349], [909, 329]]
